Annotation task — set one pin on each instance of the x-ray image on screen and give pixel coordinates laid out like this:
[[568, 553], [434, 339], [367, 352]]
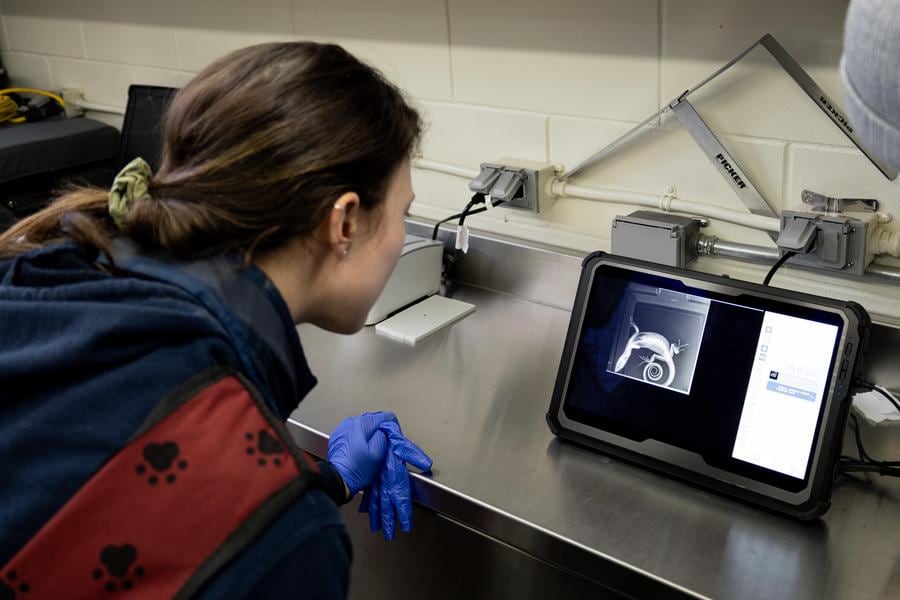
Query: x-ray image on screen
[[659, 336]]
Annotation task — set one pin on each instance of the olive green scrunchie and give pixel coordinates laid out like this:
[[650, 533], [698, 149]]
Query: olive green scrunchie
[[131, 183]]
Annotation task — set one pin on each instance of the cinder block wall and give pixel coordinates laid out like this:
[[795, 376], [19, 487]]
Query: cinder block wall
[[520, 78]]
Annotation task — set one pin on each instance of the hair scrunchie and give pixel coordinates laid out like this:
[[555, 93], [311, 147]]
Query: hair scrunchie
[[132, 182]]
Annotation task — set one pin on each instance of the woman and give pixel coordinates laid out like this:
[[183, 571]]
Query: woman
[[148, 351]]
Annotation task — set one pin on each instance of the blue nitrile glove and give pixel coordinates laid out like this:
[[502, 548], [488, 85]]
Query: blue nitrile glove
[[389, 499], [357, 448]]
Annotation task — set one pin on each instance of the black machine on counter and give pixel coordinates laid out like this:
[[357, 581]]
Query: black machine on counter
[[37, 159]]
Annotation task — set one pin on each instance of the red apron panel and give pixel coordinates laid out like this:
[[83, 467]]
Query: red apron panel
[[145, 522]]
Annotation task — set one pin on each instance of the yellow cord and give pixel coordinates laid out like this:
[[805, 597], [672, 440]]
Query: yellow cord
[[9, 110]]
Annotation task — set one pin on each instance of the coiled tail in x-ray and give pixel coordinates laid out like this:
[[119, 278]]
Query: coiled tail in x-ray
[[661, 361]]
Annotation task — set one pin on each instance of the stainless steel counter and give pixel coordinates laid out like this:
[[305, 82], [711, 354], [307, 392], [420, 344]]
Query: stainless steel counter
[[474, 396]]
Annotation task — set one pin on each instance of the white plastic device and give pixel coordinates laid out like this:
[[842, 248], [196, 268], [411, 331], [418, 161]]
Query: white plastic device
[[417, 275], [424, 318]]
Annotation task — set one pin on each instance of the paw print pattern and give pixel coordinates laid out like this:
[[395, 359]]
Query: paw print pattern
[[267, 448], [117, 568], [161, 458], [11, 588]]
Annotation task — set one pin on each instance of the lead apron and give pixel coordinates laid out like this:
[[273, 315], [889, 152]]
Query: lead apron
[[208, 470]]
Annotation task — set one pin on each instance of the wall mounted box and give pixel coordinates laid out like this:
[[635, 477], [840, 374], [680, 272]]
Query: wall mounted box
[[840, 241], [656, 237]]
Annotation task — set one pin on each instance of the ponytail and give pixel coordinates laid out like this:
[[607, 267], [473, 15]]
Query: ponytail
[[80, 215], [255, 150]]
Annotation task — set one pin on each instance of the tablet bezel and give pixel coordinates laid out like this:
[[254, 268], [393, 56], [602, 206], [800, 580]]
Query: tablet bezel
[[809, 501]]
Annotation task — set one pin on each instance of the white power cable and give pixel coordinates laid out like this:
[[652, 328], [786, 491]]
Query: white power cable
[[103, 108]]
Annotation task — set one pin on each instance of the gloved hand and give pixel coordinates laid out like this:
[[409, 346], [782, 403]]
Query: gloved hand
[[389, 498], [357, 448]]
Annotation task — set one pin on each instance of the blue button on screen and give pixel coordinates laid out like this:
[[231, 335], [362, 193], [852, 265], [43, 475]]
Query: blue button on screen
[[787, 390]]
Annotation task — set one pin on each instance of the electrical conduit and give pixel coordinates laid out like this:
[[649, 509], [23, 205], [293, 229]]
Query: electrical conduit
[[666, 202]]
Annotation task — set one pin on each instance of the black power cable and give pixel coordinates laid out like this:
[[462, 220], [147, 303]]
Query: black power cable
[[467, 212], [871, 387], [477, 198], [787, 256], [451, 256], [865, 463]]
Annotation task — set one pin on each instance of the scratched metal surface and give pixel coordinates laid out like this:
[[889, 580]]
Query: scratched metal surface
[[475, 397]]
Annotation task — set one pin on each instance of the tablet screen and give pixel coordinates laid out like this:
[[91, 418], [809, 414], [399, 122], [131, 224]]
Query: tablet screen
[[741, 381]]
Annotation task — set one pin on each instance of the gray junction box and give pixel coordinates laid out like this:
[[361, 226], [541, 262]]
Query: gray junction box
[[839, 241], [656, 237]]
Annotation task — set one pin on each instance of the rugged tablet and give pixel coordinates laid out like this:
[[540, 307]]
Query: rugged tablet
[[731, 385]]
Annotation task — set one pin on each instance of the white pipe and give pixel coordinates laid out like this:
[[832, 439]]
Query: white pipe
[[666, 202], [103, 108], [448, 169], [561, 187], [886, 242]]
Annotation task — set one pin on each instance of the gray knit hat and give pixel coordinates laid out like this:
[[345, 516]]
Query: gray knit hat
[[870, 69]]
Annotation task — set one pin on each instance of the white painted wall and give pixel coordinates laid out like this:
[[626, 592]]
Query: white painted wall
[[535, 80]]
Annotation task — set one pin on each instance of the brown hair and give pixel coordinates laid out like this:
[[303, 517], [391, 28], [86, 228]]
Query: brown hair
[[255, 150]]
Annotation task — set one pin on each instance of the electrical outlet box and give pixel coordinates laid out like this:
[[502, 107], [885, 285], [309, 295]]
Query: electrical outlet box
[[656, 237], [535, 193], [840, 241]]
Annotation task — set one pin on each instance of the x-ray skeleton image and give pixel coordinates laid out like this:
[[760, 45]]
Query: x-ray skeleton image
[[658, 338]]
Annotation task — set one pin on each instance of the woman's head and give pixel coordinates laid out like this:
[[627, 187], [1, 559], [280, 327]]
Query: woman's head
[[334, 281], [260, 144], [258, 150]]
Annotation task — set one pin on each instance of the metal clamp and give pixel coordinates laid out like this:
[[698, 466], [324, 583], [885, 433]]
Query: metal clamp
[[835, 206]]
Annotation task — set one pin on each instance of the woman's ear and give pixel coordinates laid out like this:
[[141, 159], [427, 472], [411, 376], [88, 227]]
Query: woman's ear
[[343, 223]]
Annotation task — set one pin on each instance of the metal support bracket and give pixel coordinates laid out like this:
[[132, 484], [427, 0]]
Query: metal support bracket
[[719, 157], [713, 148]]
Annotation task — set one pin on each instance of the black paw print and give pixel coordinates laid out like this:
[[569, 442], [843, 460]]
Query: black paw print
[[161, 457], [267, 445], [118, 561], [10, 585]]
